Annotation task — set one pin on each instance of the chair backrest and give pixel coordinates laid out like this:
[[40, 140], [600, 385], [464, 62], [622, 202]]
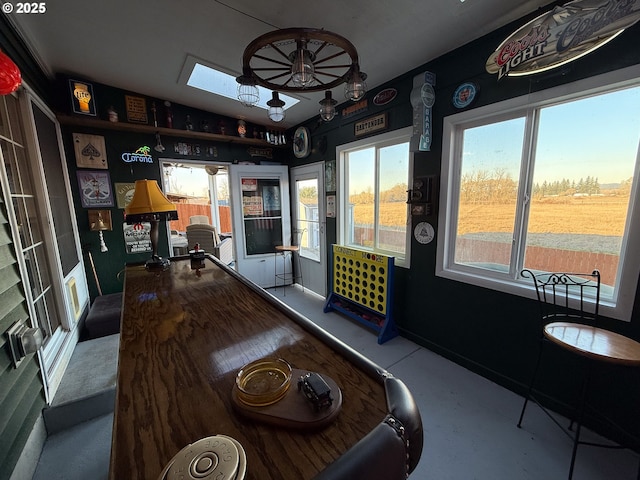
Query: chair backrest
[[203, 234], [197, 219], [297, 235], [570, 297]]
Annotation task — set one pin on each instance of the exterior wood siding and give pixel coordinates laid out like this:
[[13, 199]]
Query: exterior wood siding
[[21, 390]]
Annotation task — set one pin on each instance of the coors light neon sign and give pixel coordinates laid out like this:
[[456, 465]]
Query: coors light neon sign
[[562, 35]]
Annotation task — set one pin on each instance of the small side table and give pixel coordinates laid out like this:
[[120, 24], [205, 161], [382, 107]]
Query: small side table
[[595, 344], [292, 251]]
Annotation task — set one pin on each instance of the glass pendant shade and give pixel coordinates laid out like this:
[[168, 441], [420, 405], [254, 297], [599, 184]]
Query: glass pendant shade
[[248, 93], [276, 108], [356, 88], [327, 107], [302, 68]]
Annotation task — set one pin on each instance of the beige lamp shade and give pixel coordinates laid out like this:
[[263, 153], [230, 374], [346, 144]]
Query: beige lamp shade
[[149, 203]]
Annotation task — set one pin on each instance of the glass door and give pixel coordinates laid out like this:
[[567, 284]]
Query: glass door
[[261, 221], [309, 221], [197, 189]]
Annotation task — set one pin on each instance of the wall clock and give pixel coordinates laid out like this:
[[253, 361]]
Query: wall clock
[[424, 232], [301, 142]]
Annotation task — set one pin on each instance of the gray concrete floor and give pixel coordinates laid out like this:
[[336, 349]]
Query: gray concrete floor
[[469, 422]]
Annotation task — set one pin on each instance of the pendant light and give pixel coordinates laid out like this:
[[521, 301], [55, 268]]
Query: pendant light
[[276, 108], [327, 107]]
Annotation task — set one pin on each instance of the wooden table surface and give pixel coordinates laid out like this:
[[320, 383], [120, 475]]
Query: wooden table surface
[[595, 343], [184, 336]]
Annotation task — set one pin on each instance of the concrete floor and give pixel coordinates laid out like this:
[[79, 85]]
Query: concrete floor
[[469, 422]]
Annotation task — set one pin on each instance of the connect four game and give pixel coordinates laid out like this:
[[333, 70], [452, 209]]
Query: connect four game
[[362, 286]]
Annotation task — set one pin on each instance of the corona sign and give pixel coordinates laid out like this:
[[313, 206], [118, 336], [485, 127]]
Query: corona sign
[[141, 155]]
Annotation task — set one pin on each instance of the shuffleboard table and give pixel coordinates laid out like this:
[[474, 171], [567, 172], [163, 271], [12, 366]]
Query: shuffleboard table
[[186, 332]]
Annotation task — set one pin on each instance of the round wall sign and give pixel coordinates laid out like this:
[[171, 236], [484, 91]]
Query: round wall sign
[[428, 95], [423, 232], [301, 142], [465, 94]]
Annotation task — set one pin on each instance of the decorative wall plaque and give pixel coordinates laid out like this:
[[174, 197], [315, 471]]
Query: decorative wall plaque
[[90, 151], [124, 193], [371, 124], [136, 109], [95, 188]]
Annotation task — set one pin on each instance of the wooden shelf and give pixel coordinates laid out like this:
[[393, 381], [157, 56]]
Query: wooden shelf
[[169, 132]]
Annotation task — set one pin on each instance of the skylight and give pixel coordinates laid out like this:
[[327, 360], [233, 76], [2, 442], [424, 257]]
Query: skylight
[[219, 83]]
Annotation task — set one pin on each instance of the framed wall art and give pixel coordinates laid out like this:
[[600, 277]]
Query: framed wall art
[[124, 193], [136, 109], [95, 188], [90, 151]]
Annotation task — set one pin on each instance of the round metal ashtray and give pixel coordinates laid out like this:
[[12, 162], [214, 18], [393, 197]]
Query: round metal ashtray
[[263, 382]]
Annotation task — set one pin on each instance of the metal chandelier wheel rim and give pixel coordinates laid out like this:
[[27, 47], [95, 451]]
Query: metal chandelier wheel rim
[[282, 62]]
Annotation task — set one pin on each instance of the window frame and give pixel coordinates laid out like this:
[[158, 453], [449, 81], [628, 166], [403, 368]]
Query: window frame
[[621, 306], [401, 135]]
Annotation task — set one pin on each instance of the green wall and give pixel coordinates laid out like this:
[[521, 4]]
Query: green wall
[[492, 333], [109, 265]]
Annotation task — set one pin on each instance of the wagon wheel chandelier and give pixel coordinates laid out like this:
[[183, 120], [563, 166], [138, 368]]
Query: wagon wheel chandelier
[[300, 60]]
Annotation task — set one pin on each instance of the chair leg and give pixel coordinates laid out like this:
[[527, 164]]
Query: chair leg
[[531, 384], [297, 255], [581, 406]]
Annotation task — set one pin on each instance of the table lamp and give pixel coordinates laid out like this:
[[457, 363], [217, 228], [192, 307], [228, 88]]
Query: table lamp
[[150, 205]]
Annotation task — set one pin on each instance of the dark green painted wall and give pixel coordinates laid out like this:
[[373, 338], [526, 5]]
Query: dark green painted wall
[[109, 264], [489, 332]]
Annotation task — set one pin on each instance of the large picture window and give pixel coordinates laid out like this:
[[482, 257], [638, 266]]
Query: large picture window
[[546, 183], [373, 177]]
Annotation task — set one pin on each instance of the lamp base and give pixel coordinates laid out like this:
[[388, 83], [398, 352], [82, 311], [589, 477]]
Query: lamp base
[[157, 263]]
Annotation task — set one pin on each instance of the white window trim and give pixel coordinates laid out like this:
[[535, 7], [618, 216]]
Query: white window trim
[[400, 134], [629, 269]]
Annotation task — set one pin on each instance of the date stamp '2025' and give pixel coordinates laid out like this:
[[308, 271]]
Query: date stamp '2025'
[[24, 7]]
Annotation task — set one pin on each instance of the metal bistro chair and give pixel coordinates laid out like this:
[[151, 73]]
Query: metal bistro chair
[[569, 307], [292, 250]]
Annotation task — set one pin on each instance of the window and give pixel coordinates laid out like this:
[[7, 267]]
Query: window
[[373, 177], [546, 182]]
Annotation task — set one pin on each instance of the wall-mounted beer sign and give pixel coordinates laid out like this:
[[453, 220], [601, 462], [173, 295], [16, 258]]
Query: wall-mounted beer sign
[[141, 155], [562, 35]]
